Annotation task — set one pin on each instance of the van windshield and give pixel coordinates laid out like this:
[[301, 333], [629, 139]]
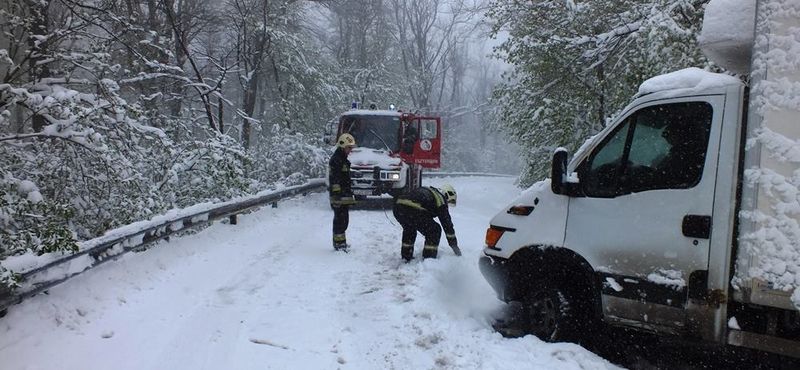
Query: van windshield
[[376, 132]]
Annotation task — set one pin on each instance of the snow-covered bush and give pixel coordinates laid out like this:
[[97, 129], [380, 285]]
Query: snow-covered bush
[[29, 223], [289, 159]]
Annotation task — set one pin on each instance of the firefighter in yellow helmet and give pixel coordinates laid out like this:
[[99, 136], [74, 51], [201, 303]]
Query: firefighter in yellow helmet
[[341, 194], [415, 212]]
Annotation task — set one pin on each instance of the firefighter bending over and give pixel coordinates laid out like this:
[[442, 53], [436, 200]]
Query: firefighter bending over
[[415, 212], [341, 194]]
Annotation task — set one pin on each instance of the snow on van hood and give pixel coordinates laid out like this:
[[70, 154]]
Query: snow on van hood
[[366, 157]]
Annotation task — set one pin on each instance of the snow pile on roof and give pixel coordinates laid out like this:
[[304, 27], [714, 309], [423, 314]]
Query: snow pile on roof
[[771, 243], [728, 33], [687, 78], [366, 157]]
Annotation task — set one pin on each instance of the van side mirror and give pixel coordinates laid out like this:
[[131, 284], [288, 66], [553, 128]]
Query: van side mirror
[[558, 171]]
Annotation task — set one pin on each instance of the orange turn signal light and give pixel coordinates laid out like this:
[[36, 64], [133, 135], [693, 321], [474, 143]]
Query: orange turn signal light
[[492, 236]]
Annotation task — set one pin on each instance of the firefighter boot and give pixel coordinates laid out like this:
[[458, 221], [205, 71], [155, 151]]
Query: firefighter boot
[[407, 252], [340, 242], [430, 251]]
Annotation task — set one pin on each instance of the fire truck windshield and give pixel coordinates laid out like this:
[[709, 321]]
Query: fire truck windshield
[[376, 132]]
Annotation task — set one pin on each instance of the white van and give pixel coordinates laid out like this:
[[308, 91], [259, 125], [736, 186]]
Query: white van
[[681, 217]]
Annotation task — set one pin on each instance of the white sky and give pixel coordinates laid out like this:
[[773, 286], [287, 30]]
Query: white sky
[[270, 293]]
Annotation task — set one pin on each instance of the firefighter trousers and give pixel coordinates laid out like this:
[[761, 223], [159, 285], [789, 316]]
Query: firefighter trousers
[[414, 220], [341, 218]]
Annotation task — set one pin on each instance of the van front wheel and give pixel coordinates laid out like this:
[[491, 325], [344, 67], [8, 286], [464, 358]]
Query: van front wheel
[[548, 311]]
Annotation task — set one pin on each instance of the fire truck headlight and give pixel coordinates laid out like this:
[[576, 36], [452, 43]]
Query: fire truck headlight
[[394, 176]]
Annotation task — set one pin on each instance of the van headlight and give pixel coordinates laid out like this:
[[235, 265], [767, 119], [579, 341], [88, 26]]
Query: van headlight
[[394, 176]]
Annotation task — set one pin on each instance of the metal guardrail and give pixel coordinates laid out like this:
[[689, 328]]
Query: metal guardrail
[[109, 249], [464, 174]]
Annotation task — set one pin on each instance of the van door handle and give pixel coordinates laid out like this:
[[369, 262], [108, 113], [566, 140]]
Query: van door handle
[[696, 226]]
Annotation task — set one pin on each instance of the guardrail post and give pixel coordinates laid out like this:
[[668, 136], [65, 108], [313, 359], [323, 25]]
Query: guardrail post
[[232, 218]]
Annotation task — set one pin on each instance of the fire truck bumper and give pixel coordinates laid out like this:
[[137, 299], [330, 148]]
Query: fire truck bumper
[[375, 181]]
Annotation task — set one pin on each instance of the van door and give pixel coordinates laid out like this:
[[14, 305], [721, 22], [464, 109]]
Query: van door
[[644, 218]]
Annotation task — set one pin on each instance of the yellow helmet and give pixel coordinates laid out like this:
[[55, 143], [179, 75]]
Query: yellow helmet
[[449, 194], [345, 140]]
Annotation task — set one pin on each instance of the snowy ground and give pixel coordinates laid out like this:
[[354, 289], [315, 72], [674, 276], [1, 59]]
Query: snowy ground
[[270, 293]]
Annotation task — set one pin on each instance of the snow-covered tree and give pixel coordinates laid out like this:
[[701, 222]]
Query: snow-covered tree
[[367, 59], [83, 149], [578, 62]]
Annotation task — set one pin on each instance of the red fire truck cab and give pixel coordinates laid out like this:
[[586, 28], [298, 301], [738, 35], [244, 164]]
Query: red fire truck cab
[[392, 149]]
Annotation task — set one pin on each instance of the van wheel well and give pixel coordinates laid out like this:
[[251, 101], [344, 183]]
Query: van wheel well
[[561, 272]]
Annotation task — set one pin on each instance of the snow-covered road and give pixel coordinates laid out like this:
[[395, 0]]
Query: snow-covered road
[[270, 293]]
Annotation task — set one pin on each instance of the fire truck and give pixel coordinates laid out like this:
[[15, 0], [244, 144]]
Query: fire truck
[[392, 149]]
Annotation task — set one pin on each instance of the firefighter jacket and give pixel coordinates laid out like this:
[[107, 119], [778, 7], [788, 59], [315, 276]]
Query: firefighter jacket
[[339, 179], [432, 203]]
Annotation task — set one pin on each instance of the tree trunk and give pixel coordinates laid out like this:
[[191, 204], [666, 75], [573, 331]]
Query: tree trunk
[[39, 51], [202, 91], [250, 95], [602, 108], [221, 110]]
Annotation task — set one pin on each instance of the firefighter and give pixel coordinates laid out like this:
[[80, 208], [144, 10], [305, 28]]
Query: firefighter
[[415, 212], [341, 194]]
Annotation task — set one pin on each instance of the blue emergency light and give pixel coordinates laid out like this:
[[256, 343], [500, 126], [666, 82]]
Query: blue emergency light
[[353, 105]]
